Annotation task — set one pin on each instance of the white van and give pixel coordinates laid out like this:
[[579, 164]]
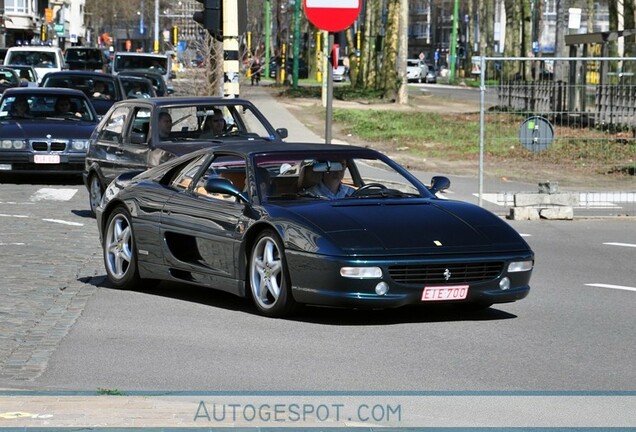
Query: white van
[[44, 59], [147, 61]]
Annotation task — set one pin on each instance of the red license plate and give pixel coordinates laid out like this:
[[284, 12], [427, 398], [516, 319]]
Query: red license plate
[[445, 293]]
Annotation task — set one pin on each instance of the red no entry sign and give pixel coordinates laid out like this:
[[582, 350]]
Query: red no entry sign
[[332, 15]]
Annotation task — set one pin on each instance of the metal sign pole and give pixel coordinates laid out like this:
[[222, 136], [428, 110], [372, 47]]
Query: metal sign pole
[[230, 49], [329, 112]]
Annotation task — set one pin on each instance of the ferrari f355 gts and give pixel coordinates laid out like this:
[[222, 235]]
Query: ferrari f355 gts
[[255, 220]]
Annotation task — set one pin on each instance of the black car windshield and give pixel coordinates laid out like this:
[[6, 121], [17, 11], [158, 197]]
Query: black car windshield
[[218, 122], [56, 106], [333, 176], [159, 63]]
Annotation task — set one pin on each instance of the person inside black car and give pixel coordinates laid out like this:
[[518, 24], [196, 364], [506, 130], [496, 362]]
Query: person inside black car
[[20, 108], [65, 108], [214, 125], [165, 125], [100, 91]]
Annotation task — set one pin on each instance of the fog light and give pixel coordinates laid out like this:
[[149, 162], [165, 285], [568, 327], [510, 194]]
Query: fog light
[[504, 283], [382, 288]]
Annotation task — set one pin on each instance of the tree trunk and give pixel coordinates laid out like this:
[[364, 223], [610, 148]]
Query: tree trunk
[[403, 48], [389, 80], [560, 70], [527, 34], [362, 79], [512, 40]]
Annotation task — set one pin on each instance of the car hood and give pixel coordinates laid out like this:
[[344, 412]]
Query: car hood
[[183, 147], [373, 227], [38, 128], [180, 148]]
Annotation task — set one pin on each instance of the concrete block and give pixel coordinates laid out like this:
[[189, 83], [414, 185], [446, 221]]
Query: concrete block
[[541, 199], [524, 213], [548, 187], [557, 213]]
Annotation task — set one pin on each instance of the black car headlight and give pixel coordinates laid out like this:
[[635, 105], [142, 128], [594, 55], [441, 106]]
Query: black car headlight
[[80, 145], [8, 144]]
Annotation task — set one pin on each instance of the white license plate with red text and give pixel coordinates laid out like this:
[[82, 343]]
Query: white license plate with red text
[[46, 159], [445, 293]]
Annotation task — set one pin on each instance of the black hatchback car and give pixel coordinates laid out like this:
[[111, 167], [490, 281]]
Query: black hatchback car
[[86, 58], [101, 88], [137, 134]]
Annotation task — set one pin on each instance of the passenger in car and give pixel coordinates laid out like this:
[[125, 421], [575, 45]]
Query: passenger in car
[[64, 107], [264, 182], [165, 125], [100, 91], [214, 125]]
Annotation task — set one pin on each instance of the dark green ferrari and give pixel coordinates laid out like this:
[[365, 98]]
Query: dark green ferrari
[[288, 224]]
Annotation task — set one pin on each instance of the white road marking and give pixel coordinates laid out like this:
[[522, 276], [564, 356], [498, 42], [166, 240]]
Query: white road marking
[[15, 216], [620, 244], [12, 244], [525, 235], [619, 287], [63, 222], [53, 194]]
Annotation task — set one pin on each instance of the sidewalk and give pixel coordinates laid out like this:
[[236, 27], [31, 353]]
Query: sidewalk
[[278, 115]]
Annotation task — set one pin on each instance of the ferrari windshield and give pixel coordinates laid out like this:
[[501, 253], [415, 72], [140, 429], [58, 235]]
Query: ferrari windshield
[[334, 176]]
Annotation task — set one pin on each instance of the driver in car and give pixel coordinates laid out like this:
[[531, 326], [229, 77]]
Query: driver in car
[[330, 185]]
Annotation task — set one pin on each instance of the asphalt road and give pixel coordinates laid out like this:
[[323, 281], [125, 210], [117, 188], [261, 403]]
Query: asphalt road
[[64, 327]]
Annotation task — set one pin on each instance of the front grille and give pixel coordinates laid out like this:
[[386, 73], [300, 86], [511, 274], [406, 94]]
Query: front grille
[[437, 273], [57, 146]]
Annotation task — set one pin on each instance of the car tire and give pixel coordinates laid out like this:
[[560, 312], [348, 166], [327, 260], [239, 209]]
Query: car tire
[[95, 192], [120, 258], [269, 280]]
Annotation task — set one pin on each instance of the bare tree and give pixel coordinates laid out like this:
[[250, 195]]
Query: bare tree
[[559, 67], [389, 79], [207, 81], [403, 47]]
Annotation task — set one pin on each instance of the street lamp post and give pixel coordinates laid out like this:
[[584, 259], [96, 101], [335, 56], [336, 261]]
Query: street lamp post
[[156, 46]]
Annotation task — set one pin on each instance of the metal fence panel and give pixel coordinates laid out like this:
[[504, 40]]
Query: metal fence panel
[[562, 125]]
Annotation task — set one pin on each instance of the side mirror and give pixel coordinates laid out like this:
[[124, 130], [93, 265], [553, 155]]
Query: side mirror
[[170, 90], [138, 138], [282, 132], [439, 183], [220, 185]]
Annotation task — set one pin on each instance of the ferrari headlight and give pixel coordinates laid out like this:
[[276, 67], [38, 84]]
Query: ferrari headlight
[[80, 145], [519, 266], [361, 272]]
